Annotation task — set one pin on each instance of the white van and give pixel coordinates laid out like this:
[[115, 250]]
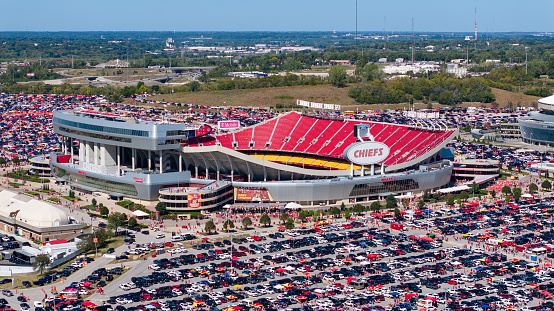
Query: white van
[[176, 238]]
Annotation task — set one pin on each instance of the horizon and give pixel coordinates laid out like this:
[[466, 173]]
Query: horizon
[[434, 16]]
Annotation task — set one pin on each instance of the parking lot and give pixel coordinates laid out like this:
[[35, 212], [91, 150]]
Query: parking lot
[[442, 261]]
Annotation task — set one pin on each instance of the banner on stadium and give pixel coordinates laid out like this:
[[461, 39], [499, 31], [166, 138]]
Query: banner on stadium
[[419, 114], [253, 195], [304, 103], [228, 124], [194, 200], [367, 153]]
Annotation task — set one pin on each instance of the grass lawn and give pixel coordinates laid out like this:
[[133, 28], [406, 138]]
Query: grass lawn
[[114, 242], [263, 97], [19, 279]]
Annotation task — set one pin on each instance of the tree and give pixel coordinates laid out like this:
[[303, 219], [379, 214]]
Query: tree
[[16, 161], [397, 213], [347, 215], [337, 76], [335, 211], [450, 199], [2, 161], [533, 188], [284, 217], [87, 244], [41, 262], [475, 187], [93, 201], [358, 208], [302, 216], [389, 205], [132, 222], [160, 207], [142, 89], [315, 217], [426, 196], [493, 193], [372, 72], [228, 224], [117, 220], [375, 206], [265, 220], [464, 196], [506, 190], [209, 227], [290, 224], [546, 185], [342, 206], [391, 198], [104, 210], [516, 194], [246, 222], [420, 204]]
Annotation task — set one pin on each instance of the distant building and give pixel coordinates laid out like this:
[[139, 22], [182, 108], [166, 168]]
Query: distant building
[[382, 60], [399, 60], [510, 130], [473, 168], [34, 219], [40, 165]]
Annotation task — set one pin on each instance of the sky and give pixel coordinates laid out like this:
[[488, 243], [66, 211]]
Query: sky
[[279, 15]]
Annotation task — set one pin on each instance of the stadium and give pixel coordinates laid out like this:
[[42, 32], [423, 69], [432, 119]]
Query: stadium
[[538, 127], [296, 157]]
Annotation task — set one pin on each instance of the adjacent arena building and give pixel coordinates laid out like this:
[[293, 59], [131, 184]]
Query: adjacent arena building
[[538, 127], [308, 159]]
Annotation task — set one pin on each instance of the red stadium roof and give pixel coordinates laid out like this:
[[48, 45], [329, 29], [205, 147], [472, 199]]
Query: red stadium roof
[[298, 134]]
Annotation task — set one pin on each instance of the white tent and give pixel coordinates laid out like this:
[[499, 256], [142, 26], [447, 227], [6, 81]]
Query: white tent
[[138, 213], [453, 189], [293, 205]]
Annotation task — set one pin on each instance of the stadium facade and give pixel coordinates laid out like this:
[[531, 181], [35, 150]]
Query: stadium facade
[[291, 158], [538, 127]]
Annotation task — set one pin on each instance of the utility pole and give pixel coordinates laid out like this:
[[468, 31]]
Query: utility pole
[[356, 38], [475, 27], [385, 32], [526, 60], [412, 40], [71, 61]]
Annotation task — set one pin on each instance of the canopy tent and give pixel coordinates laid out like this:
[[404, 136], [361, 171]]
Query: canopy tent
[[139, 214], [453, 189], [293, 205]]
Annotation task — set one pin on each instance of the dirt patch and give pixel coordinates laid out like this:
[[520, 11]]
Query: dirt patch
[[503, 98]]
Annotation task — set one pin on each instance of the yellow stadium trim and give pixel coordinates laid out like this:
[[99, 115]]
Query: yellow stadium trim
[[271, 157], [295, 159], [284, 158], [308, 161]]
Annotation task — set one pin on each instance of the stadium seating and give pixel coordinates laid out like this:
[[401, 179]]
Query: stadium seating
[[314, 142]]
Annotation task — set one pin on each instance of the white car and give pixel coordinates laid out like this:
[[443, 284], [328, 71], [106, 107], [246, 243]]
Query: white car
[[154, 267], [38, 304], [160, 236]]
